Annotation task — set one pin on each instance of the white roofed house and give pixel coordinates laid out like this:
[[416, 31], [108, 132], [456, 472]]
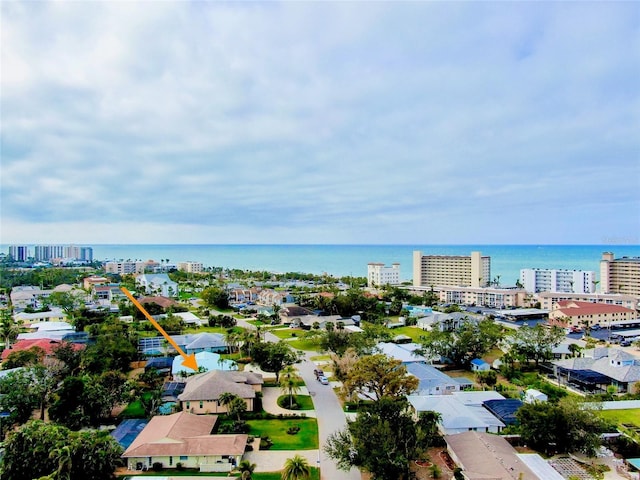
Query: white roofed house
[[460, 411]]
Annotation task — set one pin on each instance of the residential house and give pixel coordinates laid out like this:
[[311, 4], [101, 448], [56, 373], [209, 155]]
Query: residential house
[[157, 283], [207, 361], [270, 297], [598, 368], [435, 382], [54, 315], [91, 281], [405, 352], [186, 439], [202, 391], [107, 293], [48, 346], [460, 411], [189, 343], [483, 456], [443, 321]]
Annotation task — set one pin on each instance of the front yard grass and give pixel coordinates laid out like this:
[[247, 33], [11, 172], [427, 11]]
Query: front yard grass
[[305, 344], [304, 401], [276, 430], [414, 332], [629, 416]]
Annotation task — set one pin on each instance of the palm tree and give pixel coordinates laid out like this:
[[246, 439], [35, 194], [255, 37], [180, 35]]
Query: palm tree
[[246, 468], [296, 468], [226, 398], [289, 382], [8, 329]]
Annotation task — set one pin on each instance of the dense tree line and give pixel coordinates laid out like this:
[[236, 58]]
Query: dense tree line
[[39, 450]]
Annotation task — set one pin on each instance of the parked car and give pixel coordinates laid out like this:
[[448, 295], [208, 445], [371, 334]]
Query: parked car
[[323, 380], [596, 327]]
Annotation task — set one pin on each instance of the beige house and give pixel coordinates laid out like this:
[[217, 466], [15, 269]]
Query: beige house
[[202, 392], [186, 439]]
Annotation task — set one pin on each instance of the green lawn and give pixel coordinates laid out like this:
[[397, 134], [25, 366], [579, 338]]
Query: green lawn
[[276, 430], [284, 333], [304, 401], [414, 332], [304, 344], [629, 416]]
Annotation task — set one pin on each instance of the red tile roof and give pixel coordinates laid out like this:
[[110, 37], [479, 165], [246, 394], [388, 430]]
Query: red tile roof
[[572, 308], [45, 344]]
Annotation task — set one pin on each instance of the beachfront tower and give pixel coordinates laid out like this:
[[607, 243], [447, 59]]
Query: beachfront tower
[[451, 270]]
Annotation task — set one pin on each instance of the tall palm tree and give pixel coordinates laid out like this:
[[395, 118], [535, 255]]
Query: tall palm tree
[[289, 382], [296, 468]]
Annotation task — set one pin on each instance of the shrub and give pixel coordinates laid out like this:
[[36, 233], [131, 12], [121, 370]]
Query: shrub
[[179, 466], [293, 430], [265, 443]]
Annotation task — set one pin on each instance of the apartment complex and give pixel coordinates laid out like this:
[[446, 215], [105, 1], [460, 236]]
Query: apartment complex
[[378, 274], [548, 299], [492, 297], [451, 270], [190, 267], [569, 313], [537, 280], [620, 275]]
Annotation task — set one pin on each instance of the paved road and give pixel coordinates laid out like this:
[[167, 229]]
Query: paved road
[[329, 413], [330, 417]]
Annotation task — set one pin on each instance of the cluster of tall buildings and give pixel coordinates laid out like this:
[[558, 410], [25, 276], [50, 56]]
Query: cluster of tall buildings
[[470, 274], [49, 253]]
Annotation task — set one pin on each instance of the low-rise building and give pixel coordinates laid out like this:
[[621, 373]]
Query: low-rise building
[[378, 274], [191, 267], [568, 313], [548, 299], [158, 284]]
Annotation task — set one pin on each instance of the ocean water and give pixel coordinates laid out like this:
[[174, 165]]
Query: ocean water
[[342, 260]]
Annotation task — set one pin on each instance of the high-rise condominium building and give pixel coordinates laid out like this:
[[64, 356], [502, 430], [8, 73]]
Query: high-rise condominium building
[[620, 275], [378, 274], [19, 253], [451, 270], [566, 281], [45, 253]]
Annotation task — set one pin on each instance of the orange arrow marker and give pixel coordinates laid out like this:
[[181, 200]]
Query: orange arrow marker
[[189, 360]]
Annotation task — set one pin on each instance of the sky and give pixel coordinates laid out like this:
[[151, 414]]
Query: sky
[[320, 122]]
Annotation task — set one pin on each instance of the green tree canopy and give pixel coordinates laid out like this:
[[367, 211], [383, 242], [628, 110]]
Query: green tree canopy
[[273, 357], [382, 440], [471, 340], [560, 428], [40, 449], [378, 376]]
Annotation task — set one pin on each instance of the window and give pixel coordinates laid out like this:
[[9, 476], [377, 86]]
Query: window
[[170, 461], [184, 458], [201, 404]]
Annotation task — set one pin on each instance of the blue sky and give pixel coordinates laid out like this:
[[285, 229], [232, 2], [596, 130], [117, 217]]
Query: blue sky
[[320, 122]]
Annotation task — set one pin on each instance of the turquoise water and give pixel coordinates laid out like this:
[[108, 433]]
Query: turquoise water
[[342, 260]]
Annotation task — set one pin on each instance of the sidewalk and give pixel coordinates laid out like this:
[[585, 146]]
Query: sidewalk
[[270, 402]]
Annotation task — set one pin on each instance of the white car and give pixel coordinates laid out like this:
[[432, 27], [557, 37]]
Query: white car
[[323, 380]]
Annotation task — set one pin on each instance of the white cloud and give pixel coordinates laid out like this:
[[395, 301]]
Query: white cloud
[[318, 121]]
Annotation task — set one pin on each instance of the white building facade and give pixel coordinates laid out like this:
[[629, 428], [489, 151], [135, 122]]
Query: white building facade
[[378, 274], [537, 280]]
